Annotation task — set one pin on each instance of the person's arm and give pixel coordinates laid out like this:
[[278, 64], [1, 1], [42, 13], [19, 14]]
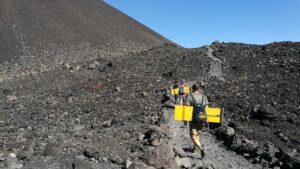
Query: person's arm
[[206, 100], [188, 101]]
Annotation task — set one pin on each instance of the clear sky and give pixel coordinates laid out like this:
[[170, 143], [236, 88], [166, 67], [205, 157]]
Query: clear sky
[[193, 23]]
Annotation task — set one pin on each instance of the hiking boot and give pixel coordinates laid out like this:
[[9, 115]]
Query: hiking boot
[[202, 153], [201, 149]]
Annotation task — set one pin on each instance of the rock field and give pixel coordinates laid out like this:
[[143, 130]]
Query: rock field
[[110, 112]]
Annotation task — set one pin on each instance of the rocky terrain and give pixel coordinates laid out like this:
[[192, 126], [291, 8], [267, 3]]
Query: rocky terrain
[[84, 86], [102, 113]]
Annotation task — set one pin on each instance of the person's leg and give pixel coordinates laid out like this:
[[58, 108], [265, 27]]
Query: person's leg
[[181, 100], [195, 135], [176, 98]]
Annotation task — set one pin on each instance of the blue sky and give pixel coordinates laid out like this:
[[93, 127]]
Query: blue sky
[[193, 23]]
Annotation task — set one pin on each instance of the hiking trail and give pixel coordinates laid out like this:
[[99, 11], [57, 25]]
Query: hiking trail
[[215, 64], [216, 157]]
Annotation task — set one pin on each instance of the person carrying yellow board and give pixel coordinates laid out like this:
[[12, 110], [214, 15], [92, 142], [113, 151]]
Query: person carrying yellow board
[[176, 95], [181, 93], [198, 100]]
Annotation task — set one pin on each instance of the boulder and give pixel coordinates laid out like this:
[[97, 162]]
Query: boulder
[[265, 112], [51, 149], [137, 165], [90, 152], [154, 135], [184, 162], [225, 132], [179, 151], [108, 123], [144, 94], [161, 157], [80, 164], [248, 146], [12, 161], [117, 160], [269, 151], [92, 66]]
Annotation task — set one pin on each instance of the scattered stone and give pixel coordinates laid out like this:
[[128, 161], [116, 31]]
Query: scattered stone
[[117, 159], [154, 135], [118, 89], [137, 165], [12, 98], [165, 116], [230, 132], [67, 66], [150, 167], [157, 142], [225, 132], [108, 123], [12, 161], [128, 163], [199, 164], [141, 137], [248, 146], [104, 159], [92, 66], [110, 64], [80, 164], [178, 161], [271, 151], [144, 94], [185, 162], [265, 112], [12, 155], [56, 165], [90, 152], [79, 129], [24, 155], [179, 151], [51, 149], [96, 63], [165, 127], [77, 67], [161, 156], [2, 158]]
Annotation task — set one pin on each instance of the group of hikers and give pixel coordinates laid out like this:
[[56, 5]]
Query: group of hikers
[[198, 100]]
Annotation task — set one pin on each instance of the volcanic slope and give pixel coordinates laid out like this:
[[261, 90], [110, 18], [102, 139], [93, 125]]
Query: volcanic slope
[[101, 115], [59, 27]]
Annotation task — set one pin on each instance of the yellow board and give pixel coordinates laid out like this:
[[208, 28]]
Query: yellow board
[[176, 90], [213, 114], [183, 113]]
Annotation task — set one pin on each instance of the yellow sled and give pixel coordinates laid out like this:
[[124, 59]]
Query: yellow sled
[[176, 90], [185, 113]]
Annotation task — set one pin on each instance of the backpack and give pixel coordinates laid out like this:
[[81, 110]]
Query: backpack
[[181, 90], [199, 114]]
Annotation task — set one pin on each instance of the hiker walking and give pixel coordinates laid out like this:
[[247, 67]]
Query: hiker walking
[[198, 100], [176, 95], [181, 94]]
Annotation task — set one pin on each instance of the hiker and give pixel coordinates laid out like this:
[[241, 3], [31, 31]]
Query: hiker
[[198, 100], [181, 94], [176, 86]]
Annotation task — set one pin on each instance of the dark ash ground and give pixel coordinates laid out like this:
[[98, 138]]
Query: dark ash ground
[[97, 111]]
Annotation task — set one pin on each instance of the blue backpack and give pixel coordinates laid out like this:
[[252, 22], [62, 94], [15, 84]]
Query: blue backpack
[[199, 114], [181, 90]]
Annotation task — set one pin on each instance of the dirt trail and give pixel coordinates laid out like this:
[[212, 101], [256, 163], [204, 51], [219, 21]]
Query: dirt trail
[[215, 65], [216, 157]]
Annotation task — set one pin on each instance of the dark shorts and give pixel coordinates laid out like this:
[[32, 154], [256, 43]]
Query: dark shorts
[[195, 127]]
